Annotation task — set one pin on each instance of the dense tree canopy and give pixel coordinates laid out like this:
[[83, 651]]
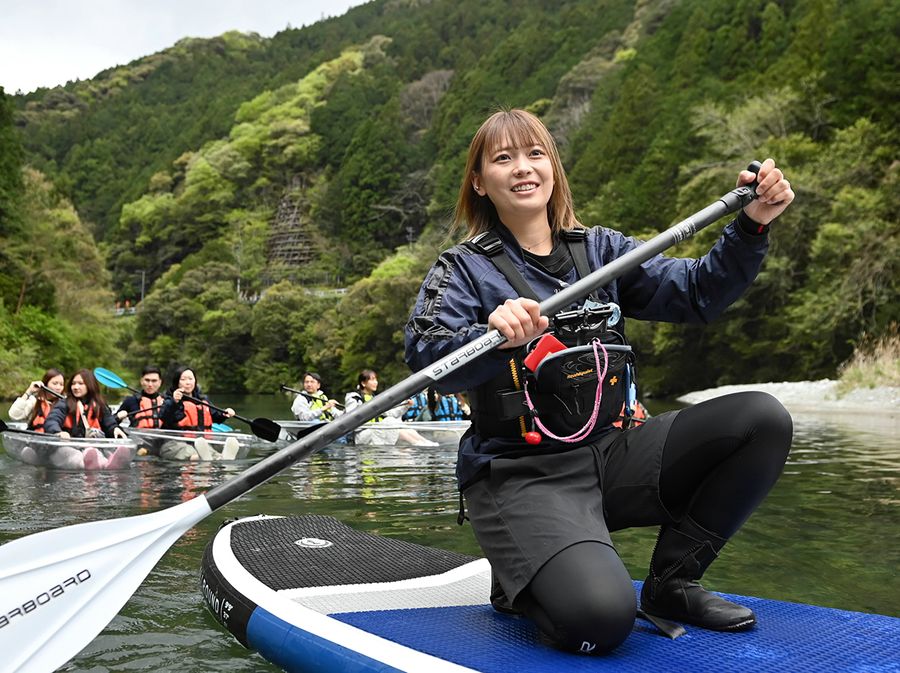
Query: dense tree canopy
[[281, 199]]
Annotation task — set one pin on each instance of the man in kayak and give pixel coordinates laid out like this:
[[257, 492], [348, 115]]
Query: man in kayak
[[144, 408], [313, 404]]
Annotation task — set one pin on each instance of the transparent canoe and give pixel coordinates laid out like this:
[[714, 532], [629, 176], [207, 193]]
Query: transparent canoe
[[53, 451]]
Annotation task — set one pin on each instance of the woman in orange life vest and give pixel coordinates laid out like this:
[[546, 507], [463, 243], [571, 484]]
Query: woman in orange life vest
[[181, 413], [84, 413], [36, 403]]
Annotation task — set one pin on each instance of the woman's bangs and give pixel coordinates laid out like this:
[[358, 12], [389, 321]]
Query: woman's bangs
[[512, 131]]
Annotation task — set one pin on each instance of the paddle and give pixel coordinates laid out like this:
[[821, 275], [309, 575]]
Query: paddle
[[60, 588], [5, 428], [52, 392], [217, 427], [307, 395], [112, 380], [262, 427]]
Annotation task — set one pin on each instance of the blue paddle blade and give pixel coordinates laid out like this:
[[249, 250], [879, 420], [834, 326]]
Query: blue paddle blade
[[221, 427], [109, 379]]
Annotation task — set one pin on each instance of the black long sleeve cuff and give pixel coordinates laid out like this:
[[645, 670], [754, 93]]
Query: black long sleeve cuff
[[750, 226]]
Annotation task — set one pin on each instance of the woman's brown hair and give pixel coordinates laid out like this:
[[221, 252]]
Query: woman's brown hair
[[517, 128], [93, 398], [43, 395]]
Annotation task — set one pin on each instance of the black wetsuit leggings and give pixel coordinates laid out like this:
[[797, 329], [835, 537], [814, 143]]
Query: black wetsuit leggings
[[721, 458]]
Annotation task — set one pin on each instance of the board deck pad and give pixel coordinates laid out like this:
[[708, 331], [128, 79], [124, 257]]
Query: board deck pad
[[312, 594]]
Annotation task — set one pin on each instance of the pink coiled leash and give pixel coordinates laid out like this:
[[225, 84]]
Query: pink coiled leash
[[589, 426]]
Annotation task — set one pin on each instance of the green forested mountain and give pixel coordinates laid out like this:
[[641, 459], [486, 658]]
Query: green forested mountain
[[243, 180]]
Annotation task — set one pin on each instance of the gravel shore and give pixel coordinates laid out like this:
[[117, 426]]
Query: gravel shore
[[815, 397]]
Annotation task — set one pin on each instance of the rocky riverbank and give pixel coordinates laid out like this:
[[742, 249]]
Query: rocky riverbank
[[815, 397]]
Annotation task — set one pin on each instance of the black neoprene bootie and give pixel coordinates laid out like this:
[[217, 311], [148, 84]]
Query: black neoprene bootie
[[683, 552]]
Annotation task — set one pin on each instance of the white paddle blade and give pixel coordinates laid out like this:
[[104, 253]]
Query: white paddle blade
[[60, 588]]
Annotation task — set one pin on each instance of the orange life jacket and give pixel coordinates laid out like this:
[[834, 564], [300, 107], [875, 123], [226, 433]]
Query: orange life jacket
[[93, 419], [640, 415], [196, 416], [148, 416], [42, 408]]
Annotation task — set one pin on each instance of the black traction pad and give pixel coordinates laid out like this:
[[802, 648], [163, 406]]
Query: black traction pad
[[319, 551]]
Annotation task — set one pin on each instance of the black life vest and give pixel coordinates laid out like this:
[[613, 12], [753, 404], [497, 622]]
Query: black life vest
[[563, 386]]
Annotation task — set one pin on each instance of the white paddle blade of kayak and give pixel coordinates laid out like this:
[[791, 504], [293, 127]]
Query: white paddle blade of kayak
[[60, 588]]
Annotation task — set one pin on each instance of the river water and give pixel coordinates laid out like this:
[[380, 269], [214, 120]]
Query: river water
[[829, 533]]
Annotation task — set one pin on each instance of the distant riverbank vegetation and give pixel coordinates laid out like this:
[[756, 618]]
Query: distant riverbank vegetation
[[271, 205], [875, 363]]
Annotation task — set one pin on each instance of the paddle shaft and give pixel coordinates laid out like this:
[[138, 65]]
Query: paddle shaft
[[320, 438], [143, 411], [197, 400], [131, 414], [5, 428], [307, 395], [52, 392]]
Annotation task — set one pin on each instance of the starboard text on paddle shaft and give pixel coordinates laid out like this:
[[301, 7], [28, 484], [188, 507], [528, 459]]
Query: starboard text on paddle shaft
[[45, 597], [461, 357]]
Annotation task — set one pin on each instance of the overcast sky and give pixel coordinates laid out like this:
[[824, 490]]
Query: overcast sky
[[49, 42]]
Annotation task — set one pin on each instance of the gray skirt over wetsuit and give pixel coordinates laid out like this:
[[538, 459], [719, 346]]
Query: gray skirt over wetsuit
[[529, 508]]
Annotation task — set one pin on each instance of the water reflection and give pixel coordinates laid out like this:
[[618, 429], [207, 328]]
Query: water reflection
[[828, 534]]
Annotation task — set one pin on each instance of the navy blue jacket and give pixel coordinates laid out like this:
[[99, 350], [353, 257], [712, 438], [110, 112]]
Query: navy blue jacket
[[464, 287], [57, 418]]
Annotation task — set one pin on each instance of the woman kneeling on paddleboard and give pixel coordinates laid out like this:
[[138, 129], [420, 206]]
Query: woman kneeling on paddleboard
[[544, 473]]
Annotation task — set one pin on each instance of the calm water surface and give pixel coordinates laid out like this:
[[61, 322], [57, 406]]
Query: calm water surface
[[829, 533]]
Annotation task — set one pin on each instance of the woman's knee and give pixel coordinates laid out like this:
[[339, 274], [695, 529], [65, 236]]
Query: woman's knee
[[768, 408], [754, 413], [772, 420], [585, 601], [597, 624]]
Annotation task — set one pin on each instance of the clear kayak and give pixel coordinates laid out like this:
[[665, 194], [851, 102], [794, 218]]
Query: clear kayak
[[390, 432], [53, 451], [192, 445]]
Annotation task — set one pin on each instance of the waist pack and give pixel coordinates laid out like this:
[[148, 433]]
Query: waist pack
[[563, 388]]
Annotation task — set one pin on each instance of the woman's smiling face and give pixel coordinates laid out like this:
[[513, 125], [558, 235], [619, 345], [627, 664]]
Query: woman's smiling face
[[517, 180]]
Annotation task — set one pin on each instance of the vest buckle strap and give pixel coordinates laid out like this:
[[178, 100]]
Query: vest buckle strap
[[488, 243]]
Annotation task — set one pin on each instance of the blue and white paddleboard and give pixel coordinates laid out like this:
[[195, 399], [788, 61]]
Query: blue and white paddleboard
[[311, 594]]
